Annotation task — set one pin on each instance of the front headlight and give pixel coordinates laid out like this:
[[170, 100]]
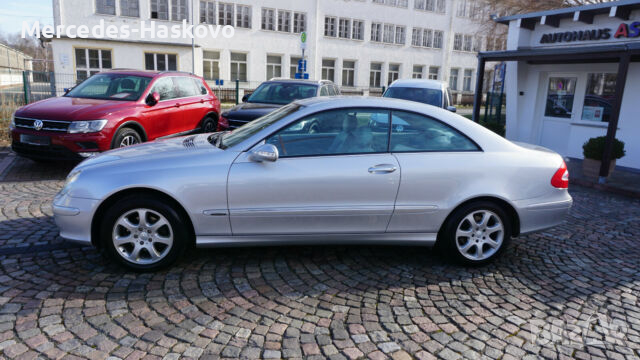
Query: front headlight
[[12, 124], [73, 176], [92, 126]]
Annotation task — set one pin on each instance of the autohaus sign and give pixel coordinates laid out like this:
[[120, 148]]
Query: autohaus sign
[[625, 30]]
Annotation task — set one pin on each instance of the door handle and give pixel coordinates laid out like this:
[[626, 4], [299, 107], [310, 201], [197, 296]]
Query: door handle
[[177, 105], [382, 169], [201, 101]]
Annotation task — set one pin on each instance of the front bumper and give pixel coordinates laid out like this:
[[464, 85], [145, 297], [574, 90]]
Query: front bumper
[[543, 213], [73, 217], [63, 146]]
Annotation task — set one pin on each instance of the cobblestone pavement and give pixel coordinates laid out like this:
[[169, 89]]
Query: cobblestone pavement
[[570, 292]]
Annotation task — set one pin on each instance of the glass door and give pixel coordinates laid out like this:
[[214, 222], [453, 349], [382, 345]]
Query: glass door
[[558, 111]]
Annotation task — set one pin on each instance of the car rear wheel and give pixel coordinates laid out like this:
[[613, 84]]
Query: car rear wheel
[[476, 233], [143, 233], [126, 137], [209, 125]]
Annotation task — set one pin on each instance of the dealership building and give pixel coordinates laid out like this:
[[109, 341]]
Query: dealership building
[[358, 44], [572, 74]]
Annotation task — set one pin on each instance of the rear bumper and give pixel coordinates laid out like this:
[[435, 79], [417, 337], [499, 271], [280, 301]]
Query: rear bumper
[[536, 216], [73, 217]]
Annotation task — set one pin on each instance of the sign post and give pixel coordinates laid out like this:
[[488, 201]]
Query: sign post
[[302, 64]]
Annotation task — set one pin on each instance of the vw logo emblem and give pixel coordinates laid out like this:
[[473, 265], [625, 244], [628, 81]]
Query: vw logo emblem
[[38, 125]]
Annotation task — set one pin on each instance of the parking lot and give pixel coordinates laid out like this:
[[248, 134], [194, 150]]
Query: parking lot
[[570, 292]]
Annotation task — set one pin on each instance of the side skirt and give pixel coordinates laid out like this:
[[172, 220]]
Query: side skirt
[[422, 239]]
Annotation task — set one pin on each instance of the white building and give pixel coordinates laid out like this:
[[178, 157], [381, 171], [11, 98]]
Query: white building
[[572, 75], [356, 43]]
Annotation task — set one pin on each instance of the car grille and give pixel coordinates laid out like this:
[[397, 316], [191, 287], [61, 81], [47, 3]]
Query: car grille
[[234, 123], [48, 125]]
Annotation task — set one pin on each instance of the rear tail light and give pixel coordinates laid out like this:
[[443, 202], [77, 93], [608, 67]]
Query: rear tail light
[[223, 123], [560, 179]]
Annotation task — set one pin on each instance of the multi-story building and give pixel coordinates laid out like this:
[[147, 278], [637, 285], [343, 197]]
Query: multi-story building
[[357, 44]]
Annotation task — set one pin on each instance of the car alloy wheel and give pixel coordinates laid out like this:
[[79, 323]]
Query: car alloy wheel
[[142, 236], [479, 235], [128, 141]]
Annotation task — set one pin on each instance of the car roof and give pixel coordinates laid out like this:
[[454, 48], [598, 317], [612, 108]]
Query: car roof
[[147, 73], [299, 81], [418, 83]]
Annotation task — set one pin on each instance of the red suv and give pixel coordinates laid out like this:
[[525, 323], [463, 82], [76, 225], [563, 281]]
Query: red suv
[[111, 110]]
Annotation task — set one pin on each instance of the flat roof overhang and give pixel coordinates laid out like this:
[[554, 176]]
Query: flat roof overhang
[[568, 54]]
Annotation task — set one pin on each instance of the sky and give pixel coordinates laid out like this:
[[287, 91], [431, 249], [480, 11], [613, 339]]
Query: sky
[[13, 13]]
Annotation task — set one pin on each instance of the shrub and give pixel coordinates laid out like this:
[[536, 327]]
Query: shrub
[[594, 148]]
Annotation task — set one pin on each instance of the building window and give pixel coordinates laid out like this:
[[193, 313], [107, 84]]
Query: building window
[[299, 22], [160, 62], [416, 37], [211, 65], [376, 32], [560, 96], [207, 12], [225, 14], [179, 10], [344, 28], [477, 44], [91, 61], [274, 66], [600, 96], [375, 75], [434, 71], [468, 43], [357, 32], [238, 67], [394, 73], [431, 5], [463, 8], [284, 21], [243, 16], [438, 39], [427, 38], [457, 42], [160, 9], [328, 69], [418, 72], [388, 33], [466, 80], [348, 73], [453, 79], [106, 7], [293, 67], [130, 8], [268, 19], [400, 35], [330, 26]]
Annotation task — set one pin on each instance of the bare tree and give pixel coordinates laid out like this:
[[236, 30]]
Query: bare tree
[[40, 52]]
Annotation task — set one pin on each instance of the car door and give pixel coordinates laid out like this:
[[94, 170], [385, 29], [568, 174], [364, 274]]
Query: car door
[[165, 117], [190, 103], [437, 163], [340, 180]]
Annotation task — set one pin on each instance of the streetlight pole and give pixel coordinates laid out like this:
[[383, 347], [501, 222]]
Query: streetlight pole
[[193, 42]]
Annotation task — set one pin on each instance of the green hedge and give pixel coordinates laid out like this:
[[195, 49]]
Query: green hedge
[[594, 148]]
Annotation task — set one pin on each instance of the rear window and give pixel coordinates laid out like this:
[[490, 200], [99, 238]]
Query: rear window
[[425, 96]]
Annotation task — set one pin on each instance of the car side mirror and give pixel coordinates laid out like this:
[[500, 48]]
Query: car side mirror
[[452, 108], [153, 98], [264, 152], [245, 97]]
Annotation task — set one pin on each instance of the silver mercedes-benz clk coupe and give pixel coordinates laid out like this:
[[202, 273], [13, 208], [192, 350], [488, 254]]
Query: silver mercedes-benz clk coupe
[[372, 171]]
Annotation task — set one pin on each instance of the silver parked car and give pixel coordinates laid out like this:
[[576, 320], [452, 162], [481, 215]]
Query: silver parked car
[[430, 177]]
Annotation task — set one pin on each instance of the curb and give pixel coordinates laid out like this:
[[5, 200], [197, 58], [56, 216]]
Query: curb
[[606, 188]]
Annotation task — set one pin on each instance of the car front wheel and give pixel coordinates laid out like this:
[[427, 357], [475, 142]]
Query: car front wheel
[[143, 233], [126, 137], [476, 233]]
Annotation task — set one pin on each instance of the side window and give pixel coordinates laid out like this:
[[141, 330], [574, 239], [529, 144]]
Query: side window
[[164, 87], [415, 133], [184, 87], [202, 90], [342, 131], [332, 90], [324, 91], [337, 89]]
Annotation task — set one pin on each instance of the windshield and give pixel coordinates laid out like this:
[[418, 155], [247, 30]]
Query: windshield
[[111, 87], [425, 96], [246, 131], [282, 93]]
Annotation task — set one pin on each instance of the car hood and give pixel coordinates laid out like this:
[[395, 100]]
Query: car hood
[[250, 111], [154, 151], [70, 109]]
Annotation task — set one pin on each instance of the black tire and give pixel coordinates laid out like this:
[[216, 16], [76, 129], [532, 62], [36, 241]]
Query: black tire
[[448, 243], [126, 133], [209, 125], [181, 235]]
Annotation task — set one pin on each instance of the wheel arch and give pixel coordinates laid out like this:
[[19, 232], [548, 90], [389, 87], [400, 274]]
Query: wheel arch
[[210, 114], [115, 197], [132, 124], [508, 208]]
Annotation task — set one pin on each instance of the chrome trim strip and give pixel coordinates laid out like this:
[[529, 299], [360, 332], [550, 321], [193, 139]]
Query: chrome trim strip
[[56, 121], [43, 129]]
